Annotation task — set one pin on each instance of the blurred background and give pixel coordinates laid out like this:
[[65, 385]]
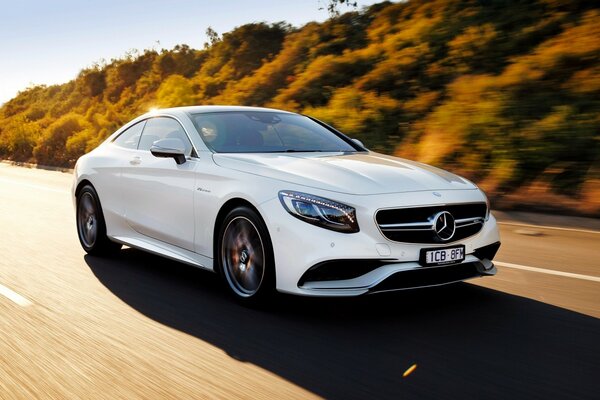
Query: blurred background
[[506, 93]]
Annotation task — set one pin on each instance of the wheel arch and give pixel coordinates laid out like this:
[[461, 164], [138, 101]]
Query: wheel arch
[[80, 186], [104, 245], [86, 182]]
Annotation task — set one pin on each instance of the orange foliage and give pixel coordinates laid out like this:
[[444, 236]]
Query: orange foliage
[[508, 96]]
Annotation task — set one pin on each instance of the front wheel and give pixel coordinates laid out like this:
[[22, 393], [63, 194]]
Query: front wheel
[[91, 227], [245, 256]]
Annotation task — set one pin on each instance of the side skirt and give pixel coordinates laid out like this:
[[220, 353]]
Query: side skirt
[[166, 250]]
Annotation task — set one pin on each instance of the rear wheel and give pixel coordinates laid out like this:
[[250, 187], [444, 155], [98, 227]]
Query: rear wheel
[[91, 227], [245, 256]]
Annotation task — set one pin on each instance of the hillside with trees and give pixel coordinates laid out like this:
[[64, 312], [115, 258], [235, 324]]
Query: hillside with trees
[[506, 93]]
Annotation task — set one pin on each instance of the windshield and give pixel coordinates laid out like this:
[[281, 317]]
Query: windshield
[[266, 132]]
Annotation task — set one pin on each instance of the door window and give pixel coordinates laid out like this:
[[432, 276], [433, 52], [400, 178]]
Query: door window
[[130, 137], [163, 128]]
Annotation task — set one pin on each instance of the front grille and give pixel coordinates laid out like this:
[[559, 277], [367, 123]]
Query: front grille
[[415, 224]]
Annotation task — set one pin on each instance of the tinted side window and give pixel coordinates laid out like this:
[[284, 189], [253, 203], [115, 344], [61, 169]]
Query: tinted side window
[[163, 128], [130, 137]]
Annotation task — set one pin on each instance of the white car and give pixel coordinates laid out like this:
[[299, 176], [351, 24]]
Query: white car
[[273, 200]]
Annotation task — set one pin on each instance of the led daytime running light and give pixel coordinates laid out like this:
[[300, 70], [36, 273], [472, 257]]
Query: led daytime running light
[[320, 211]]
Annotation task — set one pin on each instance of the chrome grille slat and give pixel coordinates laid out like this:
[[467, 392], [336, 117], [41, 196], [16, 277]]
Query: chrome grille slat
[[426, 225], [406, 229], [466, 221]]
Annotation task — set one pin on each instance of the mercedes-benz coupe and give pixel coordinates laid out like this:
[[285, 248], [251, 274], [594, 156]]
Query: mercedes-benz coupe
[[277, 201]]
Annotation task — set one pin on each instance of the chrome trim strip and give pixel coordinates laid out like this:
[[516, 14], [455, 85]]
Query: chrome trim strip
[[424, 226], [469, 224], [469, 220], [407, 225], [429, 228], [462, 223]]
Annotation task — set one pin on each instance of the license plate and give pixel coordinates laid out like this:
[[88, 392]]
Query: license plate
[[448, 255]]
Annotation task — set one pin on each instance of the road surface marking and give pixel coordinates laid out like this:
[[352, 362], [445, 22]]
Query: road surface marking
[[39, 187], [548, 271], [14, 297], [409, 371], [549, 227]]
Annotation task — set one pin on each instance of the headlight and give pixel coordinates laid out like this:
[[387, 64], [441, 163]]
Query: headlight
[[320, 211]]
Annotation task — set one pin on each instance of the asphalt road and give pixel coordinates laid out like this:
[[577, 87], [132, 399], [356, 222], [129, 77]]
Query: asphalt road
[[141, 327]]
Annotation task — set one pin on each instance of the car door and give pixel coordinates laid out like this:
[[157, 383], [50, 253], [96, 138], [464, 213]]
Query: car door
[[159, 193], [108, 179]]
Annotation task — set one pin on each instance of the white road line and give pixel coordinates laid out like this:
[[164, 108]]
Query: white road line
[[39, 187], [549, 227], [14, 297], [548, 271]]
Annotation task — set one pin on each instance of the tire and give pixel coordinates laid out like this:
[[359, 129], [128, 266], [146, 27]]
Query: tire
[[91, 227], [245, 257]]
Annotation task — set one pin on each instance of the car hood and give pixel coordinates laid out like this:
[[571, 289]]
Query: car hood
[[352, 173]]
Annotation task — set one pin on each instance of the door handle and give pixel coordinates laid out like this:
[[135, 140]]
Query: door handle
[[135, 160]]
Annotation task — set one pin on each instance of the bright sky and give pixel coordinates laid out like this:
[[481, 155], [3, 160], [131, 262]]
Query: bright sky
[[50, 41]]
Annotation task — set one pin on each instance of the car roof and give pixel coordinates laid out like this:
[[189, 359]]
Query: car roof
[[212, 108]]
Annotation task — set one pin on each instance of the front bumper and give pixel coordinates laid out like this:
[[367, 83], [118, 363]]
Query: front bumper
[[299, 246], [402, 276]]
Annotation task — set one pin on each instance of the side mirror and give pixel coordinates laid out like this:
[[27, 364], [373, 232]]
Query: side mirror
[[358, 142], [169, 148]]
